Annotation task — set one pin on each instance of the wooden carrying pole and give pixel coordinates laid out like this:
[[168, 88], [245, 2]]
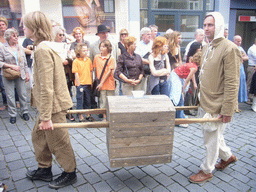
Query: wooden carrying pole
[[106, 124]]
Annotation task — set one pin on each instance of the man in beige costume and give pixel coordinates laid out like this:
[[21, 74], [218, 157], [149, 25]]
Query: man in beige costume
[[52, 100], [219, 84]]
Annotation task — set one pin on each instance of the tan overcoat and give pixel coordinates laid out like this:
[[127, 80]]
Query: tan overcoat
[[50, 92], [219, 77]]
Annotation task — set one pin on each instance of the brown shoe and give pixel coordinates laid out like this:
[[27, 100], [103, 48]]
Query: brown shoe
[[224, 164], [200, 177]]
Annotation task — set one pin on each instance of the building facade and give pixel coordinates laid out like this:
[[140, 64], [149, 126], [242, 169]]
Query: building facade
[[181, 15]]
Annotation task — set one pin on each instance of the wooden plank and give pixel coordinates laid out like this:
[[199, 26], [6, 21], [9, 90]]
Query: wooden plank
[[131, 132], [87, 111], [141, 141], [196, 120], [137, 161], [82, 125], [135, 117], [127, 152]]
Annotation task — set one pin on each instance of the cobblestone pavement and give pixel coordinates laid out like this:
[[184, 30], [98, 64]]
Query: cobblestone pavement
[[94, 173]]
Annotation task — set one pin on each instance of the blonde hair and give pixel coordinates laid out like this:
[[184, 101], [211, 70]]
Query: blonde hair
[[4, 20], [40, 25], [128, 41], [197, 58], [77, 28], [172, 42], [123, 31], [79, 47], [158, 44]]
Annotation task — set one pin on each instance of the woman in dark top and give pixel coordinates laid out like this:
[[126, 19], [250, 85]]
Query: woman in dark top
[[123, 34], [194, 48], [174, 49], [130, 68], [159, 67]]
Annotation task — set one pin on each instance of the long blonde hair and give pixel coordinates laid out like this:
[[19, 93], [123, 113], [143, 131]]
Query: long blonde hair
[[40, 25], [172, 44]]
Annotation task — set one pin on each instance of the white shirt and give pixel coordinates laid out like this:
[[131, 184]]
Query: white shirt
[[252, 55], [143, 48]]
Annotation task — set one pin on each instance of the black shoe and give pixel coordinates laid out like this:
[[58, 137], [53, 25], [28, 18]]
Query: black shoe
[[44, 174], [13, 120], [64, 180], [100, 115], [90, 118], [25, 116]]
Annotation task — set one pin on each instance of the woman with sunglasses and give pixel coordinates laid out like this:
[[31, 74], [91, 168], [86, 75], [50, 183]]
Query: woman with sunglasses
[[123, 34]]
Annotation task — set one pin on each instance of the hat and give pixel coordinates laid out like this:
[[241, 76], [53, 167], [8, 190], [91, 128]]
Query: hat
[[102, 28]]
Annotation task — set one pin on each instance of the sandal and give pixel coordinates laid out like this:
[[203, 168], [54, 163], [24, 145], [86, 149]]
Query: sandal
[[70, 117]]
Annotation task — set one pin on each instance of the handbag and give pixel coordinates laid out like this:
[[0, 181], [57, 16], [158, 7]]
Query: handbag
[[11, 74], [146, 66], [96, 81]]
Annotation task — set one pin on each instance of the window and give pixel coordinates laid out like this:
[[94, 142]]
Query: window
[[143, 13], [178, 4], [88, 15]]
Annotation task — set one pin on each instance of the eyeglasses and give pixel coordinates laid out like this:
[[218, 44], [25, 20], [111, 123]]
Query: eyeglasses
[[124, 34], [62, 35]]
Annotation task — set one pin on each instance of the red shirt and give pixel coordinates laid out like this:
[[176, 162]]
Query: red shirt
[[183, 70]]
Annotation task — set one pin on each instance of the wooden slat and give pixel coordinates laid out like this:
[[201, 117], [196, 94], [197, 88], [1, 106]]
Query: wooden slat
[[136, 161], [140, 141], [130, 132], [195, 120], [139, 151]]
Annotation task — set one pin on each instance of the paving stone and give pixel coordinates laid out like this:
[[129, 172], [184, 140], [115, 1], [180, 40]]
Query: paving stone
[[84, 168], [20, 143], [68, 188], [85, 188], [223, 176], [149, 182], [99, 168], [6, 143], [39, 183], [5, 137], [9, 183], [163, 179], [195, 188], [150, 170], [251, 175], [2, 164], [226, 187], [138, 173], [183, 170], [122, 174], [239, 185], [115, 183], [22, 149], [134, 184], [107, 175], [208, 186], [27, 154], [23, 185], [102, 186], [252, 183], [180, 179], [160, 189], [167, 170], [8, 150], [126, 189], [239, 176], [30, 162], [92, 178], [19, 174], [14, 165], [12, 157], [176, 187], [91, 160], [4, 174]]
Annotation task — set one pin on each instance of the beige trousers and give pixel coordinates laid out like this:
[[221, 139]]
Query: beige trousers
[[215, 146], [250, 72], [103, 97], [127, 88], [56, 142]]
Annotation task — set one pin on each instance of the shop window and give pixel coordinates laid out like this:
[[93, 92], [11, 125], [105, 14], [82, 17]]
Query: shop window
[[177, 4], [88, 14], [209, 5], [143, 13], [11, 10]]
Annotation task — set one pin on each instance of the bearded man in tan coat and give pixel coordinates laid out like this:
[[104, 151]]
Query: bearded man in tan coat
[[219, 84]]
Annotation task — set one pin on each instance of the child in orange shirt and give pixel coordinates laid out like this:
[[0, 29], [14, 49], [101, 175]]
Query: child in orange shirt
[[107, 83], [82, 67]]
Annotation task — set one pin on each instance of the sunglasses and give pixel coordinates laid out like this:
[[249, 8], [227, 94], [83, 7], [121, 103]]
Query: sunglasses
[[124, 34], [61, 35]]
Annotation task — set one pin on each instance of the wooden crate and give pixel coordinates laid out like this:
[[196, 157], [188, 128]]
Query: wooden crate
[[140, 130]]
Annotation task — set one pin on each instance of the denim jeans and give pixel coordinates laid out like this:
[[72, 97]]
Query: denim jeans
[[180, 114], [161, 89], [3, 91], [83, 97]]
